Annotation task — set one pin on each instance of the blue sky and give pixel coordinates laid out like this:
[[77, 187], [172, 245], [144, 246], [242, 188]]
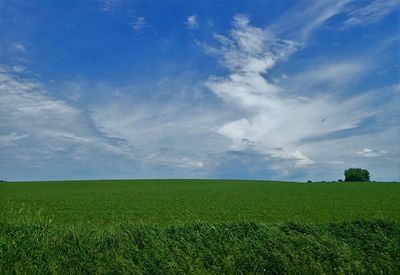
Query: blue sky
[[288, 90]]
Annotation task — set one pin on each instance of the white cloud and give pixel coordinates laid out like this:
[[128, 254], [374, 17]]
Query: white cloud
[[302, 20], [191, 22], [250, 49], [139, 24], [173, 161], [370, 14], [337, 73], [11, 69], [18, 68], [151, 138], [11, 139], [277, 123], [334, 162], [300, 159], [169, 133], [39, 127], [321, 11], [369, 153], [19, 47], [328, 77], [110, 5]]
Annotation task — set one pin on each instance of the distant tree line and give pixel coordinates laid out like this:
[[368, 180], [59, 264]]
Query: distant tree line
[[354, 175]]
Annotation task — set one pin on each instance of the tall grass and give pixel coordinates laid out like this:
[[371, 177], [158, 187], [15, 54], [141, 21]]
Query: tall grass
[[347, 247]]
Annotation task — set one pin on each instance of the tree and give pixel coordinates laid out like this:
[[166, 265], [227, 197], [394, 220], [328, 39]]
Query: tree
[[356, 174]]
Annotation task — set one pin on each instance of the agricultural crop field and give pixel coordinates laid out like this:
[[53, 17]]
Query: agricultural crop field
[[198, 201], [199, 226]]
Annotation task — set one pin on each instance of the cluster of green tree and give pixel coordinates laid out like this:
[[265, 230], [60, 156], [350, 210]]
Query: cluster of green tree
[[356, 174]]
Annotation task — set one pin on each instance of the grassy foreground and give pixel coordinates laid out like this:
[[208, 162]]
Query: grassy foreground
[[198, 227], [346, 247]]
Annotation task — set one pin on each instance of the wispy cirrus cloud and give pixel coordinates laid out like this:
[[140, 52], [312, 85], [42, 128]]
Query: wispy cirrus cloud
[[331, 76], [40, 130], [148, 138], [372, 13], [302, 20]]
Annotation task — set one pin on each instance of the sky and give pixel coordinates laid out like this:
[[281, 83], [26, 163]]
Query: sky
[[276, 90]]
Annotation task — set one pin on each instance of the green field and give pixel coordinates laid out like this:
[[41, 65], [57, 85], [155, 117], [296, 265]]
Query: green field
[[199, 201], [199, 226]]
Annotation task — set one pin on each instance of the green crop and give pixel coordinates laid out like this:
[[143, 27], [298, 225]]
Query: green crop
[[199, 201], [199, 227]]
